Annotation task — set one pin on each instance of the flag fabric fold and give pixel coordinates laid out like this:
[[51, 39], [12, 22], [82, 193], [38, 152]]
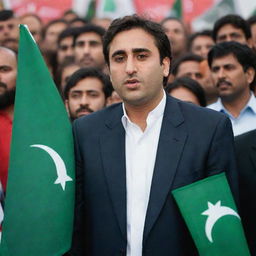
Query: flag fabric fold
[[209, 211], [38, 214]]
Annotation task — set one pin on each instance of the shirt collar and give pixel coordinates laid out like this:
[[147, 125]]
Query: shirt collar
[[153, 115], [251, 104]]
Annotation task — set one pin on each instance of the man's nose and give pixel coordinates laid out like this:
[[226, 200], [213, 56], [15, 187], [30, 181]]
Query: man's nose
[[84, 100], [131, 67]]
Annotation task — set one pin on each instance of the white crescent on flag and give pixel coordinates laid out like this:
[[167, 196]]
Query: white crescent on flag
[[62, 176]]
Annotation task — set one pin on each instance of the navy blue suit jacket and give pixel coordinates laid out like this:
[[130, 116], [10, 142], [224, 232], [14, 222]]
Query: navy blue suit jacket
[[245, 146], [194, 143]]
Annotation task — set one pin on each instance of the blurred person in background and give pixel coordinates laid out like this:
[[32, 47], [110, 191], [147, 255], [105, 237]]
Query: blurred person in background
[[232, 27], [9, 30], [102, 22], [176, 32], [64, 71], [252, 24], [188, 66], [65, 45], [200, 43], [34, 24], [210, 90], [8, 73], [69, 15], [187, 89], [78, 22], [88, 46], [51, 32]]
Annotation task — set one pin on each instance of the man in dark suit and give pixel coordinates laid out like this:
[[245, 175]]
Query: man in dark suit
[[131, 156], [245, 146]]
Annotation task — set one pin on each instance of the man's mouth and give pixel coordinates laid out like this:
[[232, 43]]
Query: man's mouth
[[132, 83]]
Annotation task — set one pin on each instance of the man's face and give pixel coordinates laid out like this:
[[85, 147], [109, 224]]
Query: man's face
[[135, 68], [66, 73], [190, 69], [253, 31], [231, 81], [89, 51], [85, 97], [34, 26], [52, 33], [9, 29], [65, 49], [202, 45], [177, 36], [229, 33], [8, 72]]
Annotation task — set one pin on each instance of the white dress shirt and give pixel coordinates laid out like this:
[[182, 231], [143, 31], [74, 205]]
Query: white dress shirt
[[246, 121], [141, 148]]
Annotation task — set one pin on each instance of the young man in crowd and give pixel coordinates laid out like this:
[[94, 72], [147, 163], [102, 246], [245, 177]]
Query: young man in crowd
[[86, 91]]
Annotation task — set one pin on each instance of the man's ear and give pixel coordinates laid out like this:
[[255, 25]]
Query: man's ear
[[250, 74], [166, 63], [67, 108]]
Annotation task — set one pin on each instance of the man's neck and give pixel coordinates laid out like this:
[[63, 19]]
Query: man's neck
[[236, 106], [138, 114]]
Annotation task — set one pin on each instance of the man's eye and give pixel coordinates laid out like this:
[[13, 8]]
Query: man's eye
[[215, 69], [119, 59], [142, 56], [75, 95], [5, 69], [63, 48]]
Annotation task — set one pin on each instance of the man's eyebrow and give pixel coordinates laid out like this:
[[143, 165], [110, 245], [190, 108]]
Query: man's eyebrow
[[135, 50]]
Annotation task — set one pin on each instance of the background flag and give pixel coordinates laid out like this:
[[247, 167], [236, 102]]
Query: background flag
[[211, 216], [208, 18], [176, 10], [38, 214], [114, 8]]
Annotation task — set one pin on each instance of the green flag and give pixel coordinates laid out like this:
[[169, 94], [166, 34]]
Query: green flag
[[218, 10], [40, 190], [90, 13], [211, 216], [109, 6], [176, 10]]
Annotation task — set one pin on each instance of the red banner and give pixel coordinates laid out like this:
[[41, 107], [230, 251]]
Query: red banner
[[46, 9]]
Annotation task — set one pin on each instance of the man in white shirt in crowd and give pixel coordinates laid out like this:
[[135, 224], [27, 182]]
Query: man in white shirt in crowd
[[233, 68]]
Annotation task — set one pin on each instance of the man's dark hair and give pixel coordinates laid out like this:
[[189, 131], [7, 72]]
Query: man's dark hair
[[50, 24], [84, 21], [234, 20], [190, 84], [173, 18], [68, 32], [193, 36], [184, 58], [85, 73], [6, 15], [243, 53], [134, 21], [89, 28], [252, 20]]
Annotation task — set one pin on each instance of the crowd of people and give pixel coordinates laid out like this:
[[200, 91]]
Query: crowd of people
[[98, 63]]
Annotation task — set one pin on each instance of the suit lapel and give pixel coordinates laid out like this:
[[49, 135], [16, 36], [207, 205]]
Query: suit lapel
[[171, 142], [113, 155]]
